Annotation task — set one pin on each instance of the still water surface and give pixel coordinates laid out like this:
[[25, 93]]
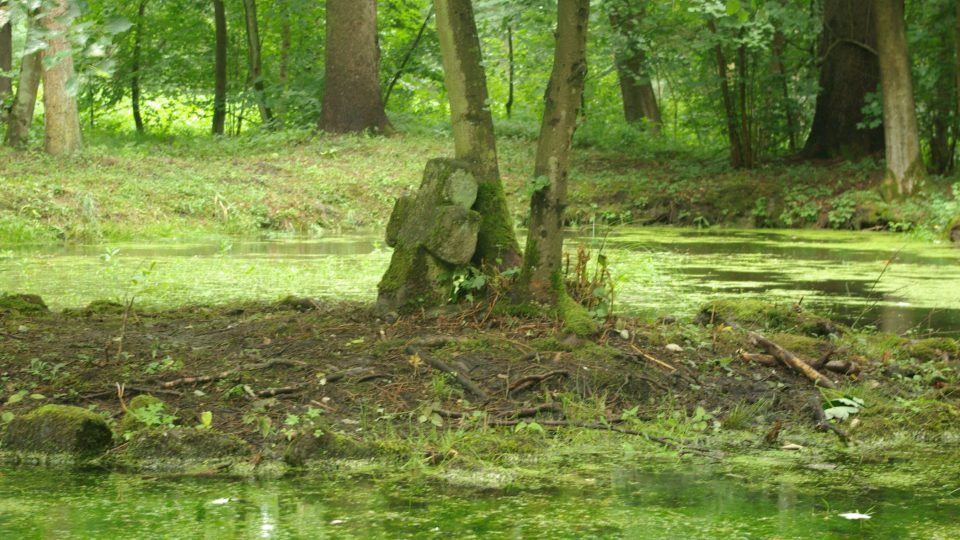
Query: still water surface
[[887, 280], [626, 504]]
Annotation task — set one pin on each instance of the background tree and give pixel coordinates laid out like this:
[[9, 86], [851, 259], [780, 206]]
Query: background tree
[[639, 97], [28, 83], [849, 72], [6, 57], [61, 119], [135, 68], [351, 97], [220, 68], [255, 75], [904, 164]]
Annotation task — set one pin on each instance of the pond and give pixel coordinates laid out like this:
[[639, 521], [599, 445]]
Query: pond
[[622, 504], [889, 281]]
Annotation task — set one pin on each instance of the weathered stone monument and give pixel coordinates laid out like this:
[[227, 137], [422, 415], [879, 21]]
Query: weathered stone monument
[[432, 233]]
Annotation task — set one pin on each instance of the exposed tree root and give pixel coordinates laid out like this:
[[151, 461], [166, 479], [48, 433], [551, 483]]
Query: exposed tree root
[[527, 382], [461, 377]]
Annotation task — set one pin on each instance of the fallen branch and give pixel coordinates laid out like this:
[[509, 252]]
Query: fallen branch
[[293, 389], [462, 378], [129, 390], [790, 359], [765, 359], [224, 374], [527, 382], [650, 358]]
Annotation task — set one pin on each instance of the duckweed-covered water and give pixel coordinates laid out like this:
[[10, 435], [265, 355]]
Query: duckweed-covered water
[[887, 280], [626, 504]]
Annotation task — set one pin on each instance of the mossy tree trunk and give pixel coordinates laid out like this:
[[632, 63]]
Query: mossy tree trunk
[[639, 98], [24, 102], [61, 118], [542, 260], [474, 141], [220, 68], [255, 69], [351, 97], [135, 67], [902, 139], [849, 70]]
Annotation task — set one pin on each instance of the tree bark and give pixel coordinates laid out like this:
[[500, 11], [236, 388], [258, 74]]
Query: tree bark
[[778, 71], [61, 118], [943, 113], [473, 136], [135, 67], [6, 63], [220, 67], [351, 98], [562, 102], [511, 71], [255, 73], [24, 103], [904, 164], [849, 71], [639, 99]]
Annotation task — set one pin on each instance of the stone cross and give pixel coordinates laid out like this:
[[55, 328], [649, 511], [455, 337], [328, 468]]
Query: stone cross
[[432, 233]]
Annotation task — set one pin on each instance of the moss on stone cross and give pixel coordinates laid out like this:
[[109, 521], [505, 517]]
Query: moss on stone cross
[[432, 233]]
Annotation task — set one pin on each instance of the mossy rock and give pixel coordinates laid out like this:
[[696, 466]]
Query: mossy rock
[[184, 444], [307, 447], [759, 314], [59, 429], [130, 422], [103, 307], [932, 349], [26, 304]]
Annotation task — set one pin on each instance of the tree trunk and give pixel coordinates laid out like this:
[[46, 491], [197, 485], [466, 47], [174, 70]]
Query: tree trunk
[[746, 129], [61, 118], [779, 74], [255, 77], [542, 259], [285, 42], [135, 67], [729, 105], [351, 97], [6, 63], [473, 136], [639, 99], [904, 164], [21, 113], [220, 68], [849, 71], [511, 69], [943, 113]]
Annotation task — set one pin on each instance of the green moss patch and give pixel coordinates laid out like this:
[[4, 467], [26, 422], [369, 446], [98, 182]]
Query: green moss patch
[[22, 303]]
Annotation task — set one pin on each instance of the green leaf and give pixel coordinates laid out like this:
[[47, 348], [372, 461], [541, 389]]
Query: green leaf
[[206, 419], [16, 398]]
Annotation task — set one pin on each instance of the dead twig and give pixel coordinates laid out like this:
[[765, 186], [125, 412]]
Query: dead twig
[[650, 358], [461, 377], [531, 380], [823, 423]]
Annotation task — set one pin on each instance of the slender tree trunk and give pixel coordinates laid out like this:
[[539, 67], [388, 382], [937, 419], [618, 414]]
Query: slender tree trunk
[[135, 67], [639, 99], [220, 68], [407, 57], [21, 113], [729, 105], [6, 62], [351, 98], [510, 71], [746, 130], [904, 164], [61, 118], [778, 72], [543, 255], [849, 71], [254, 60], [285, 40], [473, 136]]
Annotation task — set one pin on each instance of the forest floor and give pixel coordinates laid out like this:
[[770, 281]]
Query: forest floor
[[471, 389], [125, 188]]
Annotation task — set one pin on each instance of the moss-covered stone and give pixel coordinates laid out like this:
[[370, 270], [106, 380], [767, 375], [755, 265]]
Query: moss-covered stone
[[575, 317], [184, 444], [59, 429], [329, 445], [130, 422], [932, 349], [759, 314], [27, 304]]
